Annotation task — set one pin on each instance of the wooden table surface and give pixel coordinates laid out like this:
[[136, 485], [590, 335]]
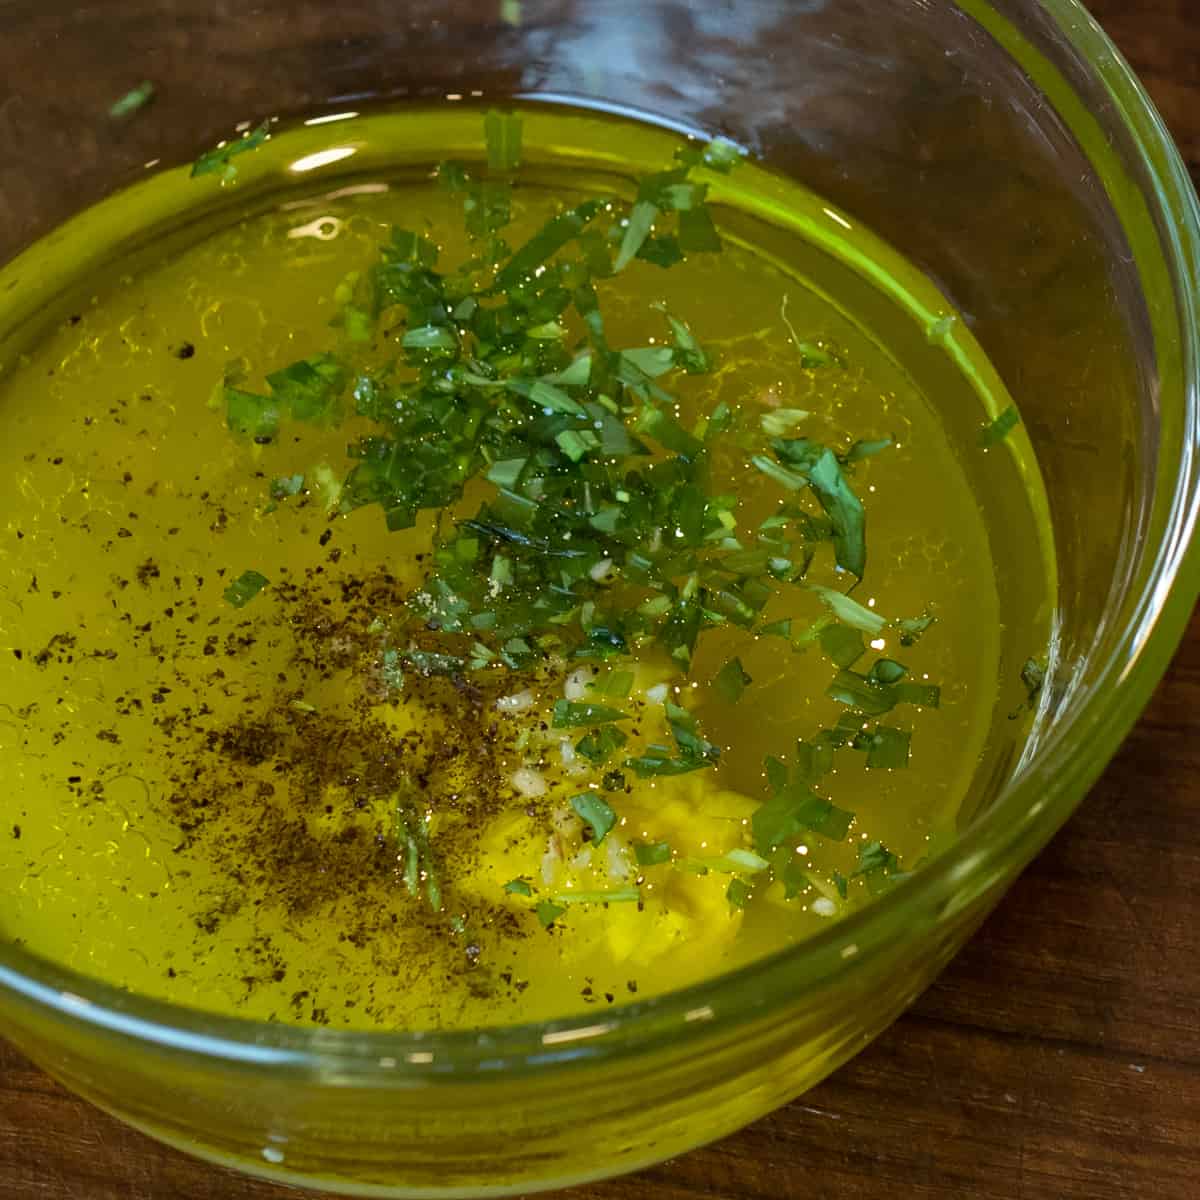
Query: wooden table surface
[[1058, 1058]]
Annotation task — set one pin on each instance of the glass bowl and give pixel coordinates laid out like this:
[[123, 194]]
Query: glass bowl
[[1002, 146]]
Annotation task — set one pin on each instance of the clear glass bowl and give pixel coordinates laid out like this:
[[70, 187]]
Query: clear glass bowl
[[1006, 149]]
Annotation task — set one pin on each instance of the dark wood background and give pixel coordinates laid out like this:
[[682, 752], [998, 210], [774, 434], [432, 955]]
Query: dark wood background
[[1058, 1058]]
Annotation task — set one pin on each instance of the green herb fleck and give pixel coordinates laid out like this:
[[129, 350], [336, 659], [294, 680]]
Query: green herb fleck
[[596, 813], [793, 810], [652, 854], [888, 748], [133, 100], [412, 834], [722, 155], [251, 415], [737, 893], [849, 611], [518, 887], [286, 485], [878, 866], [245, 587], [601, 744], [1033, 677], [866, 449], [842, 645], [600, 896], [731, 681], [570, 714], [218, 158], [996, 431]]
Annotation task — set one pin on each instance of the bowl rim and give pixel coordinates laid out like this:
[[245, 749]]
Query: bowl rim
[[1031, 808]]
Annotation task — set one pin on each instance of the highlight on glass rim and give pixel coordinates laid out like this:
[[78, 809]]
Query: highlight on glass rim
[[498, 588]]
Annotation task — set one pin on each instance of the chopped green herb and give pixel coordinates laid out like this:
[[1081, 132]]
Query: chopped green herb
[[544, 244], [250, 415], [135, 99], [601, 744], [518, 887], [310, 388], [245, 587], [875, 856], [813, 355], [795, 880], [548, 912], [842, 645], [878, 866], [697, 233], [615, 683], [218, 158], [866, 449], [570, 714], [637, 230], [731, 681], [412, 834], [888, 748], [1033, 676], [912, 628], [887, 670], [849, 611], [869, 694], [995, 432], [652, 854], [286, 485], [735, 862], [845, 511], [722, 155], [793, 810], [737, 893], [596, 813], [600, 896], [693, 751], [779, 422], [688, 353], [781, 629]]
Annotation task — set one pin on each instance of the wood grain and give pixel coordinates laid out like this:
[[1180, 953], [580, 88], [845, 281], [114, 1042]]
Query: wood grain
[[1058, 1058]]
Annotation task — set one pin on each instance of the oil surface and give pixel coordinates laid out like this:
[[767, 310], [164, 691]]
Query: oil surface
[[200, 800]]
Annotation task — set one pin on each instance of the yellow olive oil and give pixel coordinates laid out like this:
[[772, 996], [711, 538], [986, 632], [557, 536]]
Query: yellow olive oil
[[405, 628]]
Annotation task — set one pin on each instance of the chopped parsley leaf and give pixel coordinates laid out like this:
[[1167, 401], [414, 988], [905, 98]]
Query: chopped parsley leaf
[[652, 854], [888, 748], [245, 587], [599, 745], [599, 896], [570, 714], [596, 813], [218, 158], [731, 681], [994, 433], [135, 99], [737, 893]]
